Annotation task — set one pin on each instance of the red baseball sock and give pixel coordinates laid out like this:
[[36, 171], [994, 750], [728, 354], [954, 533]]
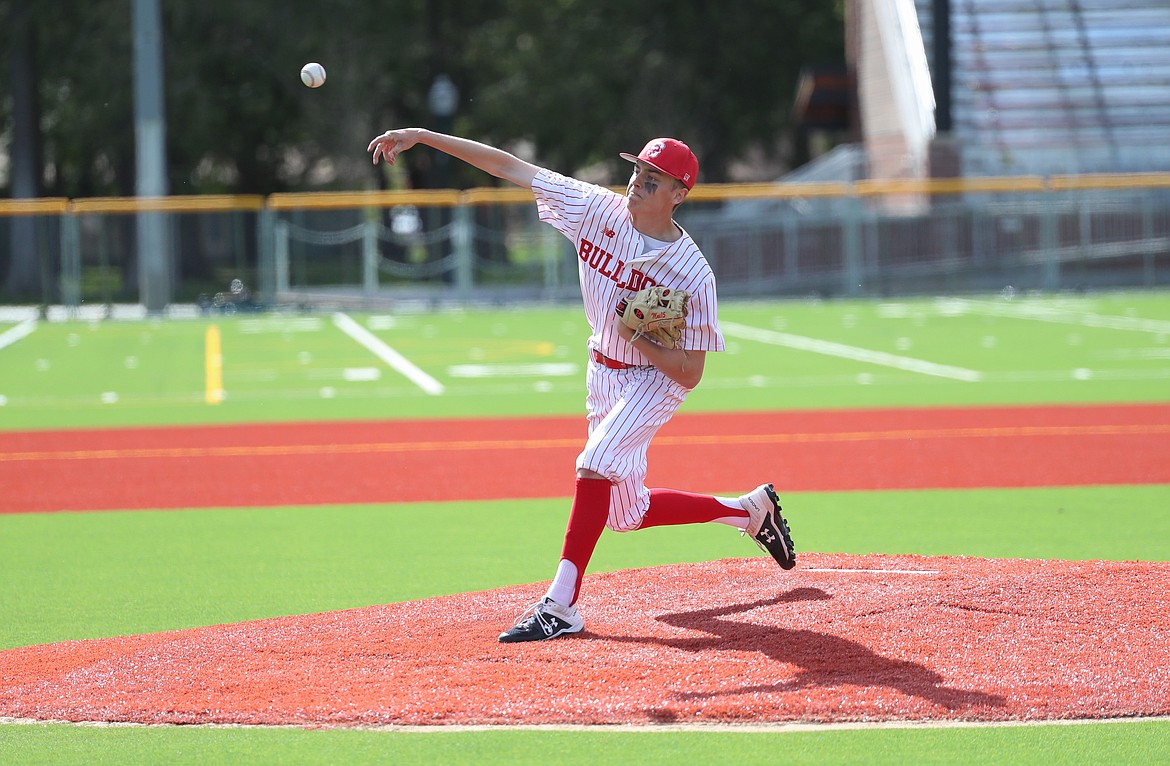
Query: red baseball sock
[[586, 522], [669, 507]]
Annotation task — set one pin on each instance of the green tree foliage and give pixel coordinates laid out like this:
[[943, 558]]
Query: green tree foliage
[[582, 79], [574, 80], [86, 96]]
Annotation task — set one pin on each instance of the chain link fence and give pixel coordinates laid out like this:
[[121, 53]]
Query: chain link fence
[[857, 239]]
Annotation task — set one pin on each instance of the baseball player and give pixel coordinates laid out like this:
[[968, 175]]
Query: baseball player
[[625, 244]]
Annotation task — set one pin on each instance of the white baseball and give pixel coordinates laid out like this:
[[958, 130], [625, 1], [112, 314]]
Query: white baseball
[[313, 75]]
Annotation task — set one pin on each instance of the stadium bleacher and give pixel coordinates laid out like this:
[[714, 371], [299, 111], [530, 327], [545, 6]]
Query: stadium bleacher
[[1058, 86]]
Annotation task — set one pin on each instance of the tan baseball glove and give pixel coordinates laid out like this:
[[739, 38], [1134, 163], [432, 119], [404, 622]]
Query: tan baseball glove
[[659, 313]]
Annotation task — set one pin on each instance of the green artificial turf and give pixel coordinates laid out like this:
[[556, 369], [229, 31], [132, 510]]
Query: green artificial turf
[[1135, 742], [794, 354], [89, 575]]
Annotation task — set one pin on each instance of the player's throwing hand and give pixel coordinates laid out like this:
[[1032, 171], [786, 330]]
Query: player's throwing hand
[[392, 143]]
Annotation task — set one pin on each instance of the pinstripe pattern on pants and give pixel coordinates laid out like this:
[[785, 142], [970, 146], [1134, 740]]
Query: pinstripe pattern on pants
[[625, 410]]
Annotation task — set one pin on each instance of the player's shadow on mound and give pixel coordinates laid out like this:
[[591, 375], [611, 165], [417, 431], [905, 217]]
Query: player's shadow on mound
[[822, 659]]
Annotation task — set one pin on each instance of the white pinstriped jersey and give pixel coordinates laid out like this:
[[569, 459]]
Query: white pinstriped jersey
[[625, 407], [612, 266]]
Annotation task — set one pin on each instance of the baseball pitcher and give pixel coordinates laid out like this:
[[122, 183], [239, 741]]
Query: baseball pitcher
[[649, 296]]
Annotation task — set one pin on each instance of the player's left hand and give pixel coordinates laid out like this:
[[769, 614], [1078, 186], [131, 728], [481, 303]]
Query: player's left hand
[[625, 332], [683, 367], [658, 313]]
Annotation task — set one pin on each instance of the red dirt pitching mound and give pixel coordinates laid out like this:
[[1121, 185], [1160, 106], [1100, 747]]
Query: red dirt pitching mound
[[841, 638]]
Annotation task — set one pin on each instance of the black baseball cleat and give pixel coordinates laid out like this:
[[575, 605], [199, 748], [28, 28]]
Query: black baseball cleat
[[544, 620], [767, 527]]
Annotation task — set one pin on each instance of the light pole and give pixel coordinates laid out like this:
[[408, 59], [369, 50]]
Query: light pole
[[154, 258], [442, 99]]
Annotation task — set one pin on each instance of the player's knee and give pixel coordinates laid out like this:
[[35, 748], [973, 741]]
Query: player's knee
[[625, 517], [608, 472], [623, 524]]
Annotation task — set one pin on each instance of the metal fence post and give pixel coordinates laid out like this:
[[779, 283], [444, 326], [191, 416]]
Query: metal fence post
[[461, 242], [266, 257], [1049, 236], [44, 261], [70, 279], [370, 257], [280, 251], [791, 259], [851, 271], [1148, 273], [550, 260]]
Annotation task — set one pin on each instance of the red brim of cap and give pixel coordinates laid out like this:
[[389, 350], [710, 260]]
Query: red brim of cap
[[631, 158]]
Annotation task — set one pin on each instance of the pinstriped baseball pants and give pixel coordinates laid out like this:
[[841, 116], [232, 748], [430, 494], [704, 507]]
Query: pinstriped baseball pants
[[625, 409]]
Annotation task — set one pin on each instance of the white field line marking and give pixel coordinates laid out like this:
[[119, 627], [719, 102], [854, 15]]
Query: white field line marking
[[1064, 316], [761, 727], [361, 374], [553, 369], [878, 571], [388, 355], [830, 348], [280, 324], [13, 334]]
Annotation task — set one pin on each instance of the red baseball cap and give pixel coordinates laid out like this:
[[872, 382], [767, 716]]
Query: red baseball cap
[[669, 156]]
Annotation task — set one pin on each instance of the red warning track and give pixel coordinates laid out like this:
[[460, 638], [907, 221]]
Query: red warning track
[[840, 638], [399, 461]]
